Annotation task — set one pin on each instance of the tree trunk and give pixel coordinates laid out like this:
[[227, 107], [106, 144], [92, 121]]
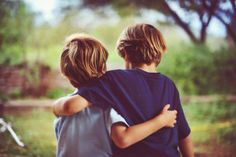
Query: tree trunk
[[183, 25], [230, 31]]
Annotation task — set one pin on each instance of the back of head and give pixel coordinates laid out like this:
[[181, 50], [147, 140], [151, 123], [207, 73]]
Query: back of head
[[142, 43], [82, 59]]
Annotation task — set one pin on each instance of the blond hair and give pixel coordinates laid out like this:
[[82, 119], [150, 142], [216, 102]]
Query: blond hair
[[82, 59], [142, 43]]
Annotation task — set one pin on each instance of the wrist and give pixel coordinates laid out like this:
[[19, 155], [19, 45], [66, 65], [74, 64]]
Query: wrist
[[160, 119]]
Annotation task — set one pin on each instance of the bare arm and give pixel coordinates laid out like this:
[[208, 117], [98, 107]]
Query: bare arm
[[69, 105], [186, 147], [124, 136]]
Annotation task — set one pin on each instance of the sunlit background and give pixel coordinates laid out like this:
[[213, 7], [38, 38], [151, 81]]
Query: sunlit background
[[201, 59]]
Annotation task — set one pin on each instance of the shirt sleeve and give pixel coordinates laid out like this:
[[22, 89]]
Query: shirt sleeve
[[182, 124], [116, 117], [99, 93], [56, 124]]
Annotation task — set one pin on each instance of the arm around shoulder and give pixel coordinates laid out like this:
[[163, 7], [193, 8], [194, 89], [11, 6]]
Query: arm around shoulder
[[69, 105], [124, 136]]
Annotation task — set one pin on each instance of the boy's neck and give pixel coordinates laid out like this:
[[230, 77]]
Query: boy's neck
[[148, 68]]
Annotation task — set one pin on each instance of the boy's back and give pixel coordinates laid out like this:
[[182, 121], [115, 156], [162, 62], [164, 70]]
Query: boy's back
[[138, 96], [84, 134]]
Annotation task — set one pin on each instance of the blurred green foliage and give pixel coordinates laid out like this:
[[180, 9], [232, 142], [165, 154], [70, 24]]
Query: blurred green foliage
[[56, 93], [211, 112], [212, 122], [200, 70], [15, 24], [227, 136], [15, 93]]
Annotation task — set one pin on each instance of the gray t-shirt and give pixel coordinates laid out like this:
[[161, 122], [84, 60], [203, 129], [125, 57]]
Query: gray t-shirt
[[87, 133]]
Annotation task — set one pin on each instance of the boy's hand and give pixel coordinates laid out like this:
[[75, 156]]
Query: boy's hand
[[168, 117]]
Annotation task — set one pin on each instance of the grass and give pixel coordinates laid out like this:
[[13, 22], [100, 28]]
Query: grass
[[36, 131], [213, 128]]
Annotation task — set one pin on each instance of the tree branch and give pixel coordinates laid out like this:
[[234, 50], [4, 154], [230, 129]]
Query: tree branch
[[181, 23], [230, 31], [233, 6], [206, 23]]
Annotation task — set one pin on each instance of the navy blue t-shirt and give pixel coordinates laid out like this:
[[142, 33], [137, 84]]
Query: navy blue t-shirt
[[139, 96]]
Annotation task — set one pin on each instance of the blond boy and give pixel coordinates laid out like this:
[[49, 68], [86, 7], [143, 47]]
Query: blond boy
[[86, 133]]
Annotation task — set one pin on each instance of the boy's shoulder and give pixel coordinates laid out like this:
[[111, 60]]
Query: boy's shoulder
[[133, 72], [167, 78], [117, 73], [169, 81]]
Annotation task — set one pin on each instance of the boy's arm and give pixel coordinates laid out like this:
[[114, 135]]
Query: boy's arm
[[69, 105], [124, 136], [184, 131], [186, 147]]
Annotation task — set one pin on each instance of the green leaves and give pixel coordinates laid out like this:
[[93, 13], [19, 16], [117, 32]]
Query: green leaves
[[200, 70], [15, 24]]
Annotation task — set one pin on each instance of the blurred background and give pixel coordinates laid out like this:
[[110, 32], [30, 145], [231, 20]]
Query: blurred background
[[201, 59]]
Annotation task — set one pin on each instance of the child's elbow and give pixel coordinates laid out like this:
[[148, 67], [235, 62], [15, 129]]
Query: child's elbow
[[68, 109], [122, 142], [62, 107]]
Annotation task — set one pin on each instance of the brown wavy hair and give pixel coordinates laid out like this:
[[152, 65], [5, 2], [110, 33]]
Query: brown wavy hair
[[142, 43], [82, 59]]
